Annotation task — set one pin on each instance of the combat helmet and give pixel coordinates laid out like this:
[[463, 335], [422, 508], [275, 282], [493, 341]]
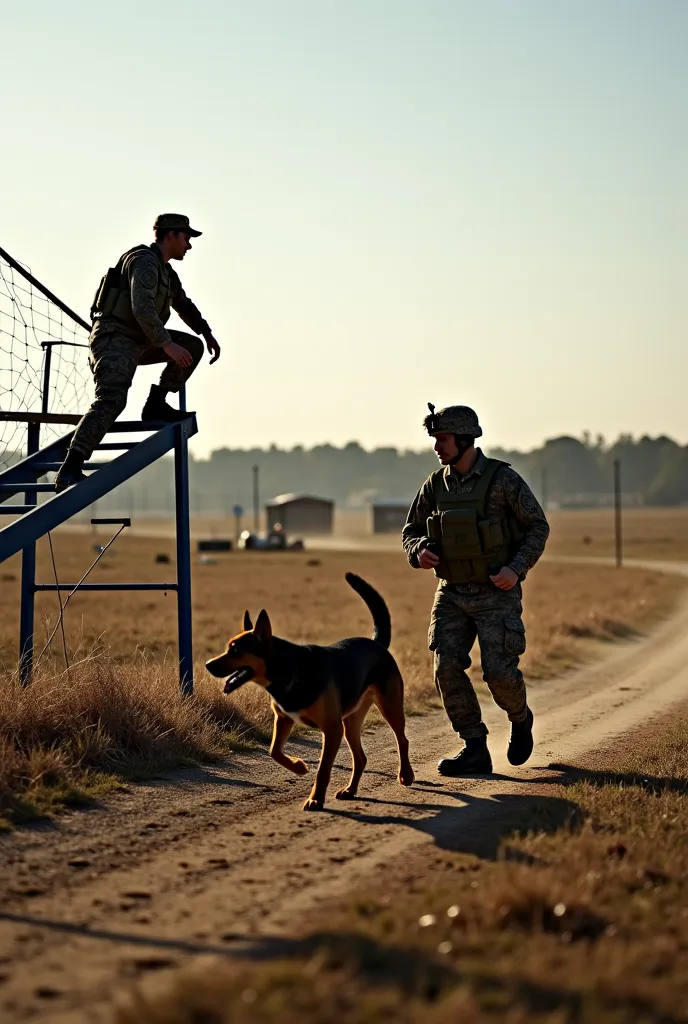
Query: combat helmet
[[454, 419]]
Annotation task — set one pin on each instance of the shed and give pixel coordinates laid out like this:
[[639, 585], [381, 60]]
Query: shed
[[389, 515], [300, 513]]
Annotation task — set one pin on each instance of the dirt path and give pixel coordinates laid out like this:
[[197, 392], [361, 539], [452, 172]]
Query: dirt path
[[214, 861]]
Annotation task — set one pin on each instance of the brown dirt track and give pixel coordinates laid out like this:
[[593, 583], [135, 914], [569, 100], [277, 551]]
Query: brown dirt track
[[210, 862]]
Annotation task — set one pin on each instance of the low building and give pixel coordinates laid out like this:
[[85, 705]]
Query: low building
[[300, 513], [389, 516]]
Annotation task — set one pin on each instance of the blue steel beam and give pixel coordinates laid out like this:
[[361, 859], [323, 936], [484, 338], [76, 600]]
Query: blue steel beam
[[27, 485], [106, 586], [67, 503], [181, 497], [28, 574]]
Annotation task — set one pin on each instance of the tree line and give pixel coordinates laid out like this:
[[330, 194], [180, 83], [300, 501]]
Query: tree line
[[563, 472]]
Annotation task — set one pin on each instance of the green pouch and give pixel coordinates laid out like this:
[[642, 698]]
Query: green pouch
[[460, 536], [491, 533]]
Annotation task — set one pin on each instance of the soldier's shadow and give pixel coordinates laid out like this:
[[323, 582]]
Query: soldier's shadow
[[476, 824]]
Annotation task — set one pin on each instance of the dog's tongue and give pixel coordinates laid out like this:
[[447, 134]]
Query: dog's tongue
[[238, 678]]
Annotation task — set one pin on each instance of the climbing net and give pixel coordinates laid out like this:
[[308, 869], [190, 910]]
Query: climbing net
[[30, 317]]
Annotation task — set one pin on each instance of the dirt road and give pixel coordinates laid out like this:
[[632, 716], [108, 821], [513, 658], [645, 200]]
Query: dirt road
[[210, 862]]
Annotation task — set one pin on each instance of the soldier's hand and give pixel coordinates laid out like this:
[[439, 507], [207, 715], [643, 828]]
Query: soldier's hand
[[427, 559], [505, 579], [180, 355], [213, 348]]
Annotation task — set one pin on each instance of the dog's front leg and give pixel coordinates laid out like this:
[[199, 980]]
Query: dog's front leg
[[281, 732], [332, 738]]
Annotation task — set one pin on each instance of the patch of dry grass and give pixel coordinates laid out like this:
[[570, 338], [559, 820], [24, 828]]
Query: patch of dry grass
[[649, 533], [577, 913], [70, 737]]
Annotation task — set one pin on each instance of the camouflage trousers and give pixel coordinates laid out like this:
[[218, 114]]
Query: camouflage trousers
[[459, 615], [113, 358]]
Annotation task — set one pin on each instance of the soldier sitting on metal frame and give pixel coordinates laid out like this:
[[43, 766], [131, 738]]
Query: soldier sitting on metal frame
[[129, 313], [477, 524]]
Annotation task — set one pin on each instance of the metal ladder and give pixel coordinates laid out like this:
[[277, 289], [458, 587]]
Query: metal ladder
[[35, 520]]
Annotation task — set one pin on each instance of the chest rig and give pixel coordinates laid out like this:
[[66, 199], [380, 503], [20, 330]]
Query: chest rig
[[472, 546], [113, 297]]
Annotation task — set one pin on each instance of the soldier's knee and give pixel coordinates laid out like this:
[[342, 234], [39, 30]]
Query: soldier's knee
[[191, 342], [501, 671], [196, 348]]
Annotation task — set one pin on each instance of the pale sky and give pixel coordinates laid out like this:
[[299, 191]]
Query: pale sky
[[402, 201]]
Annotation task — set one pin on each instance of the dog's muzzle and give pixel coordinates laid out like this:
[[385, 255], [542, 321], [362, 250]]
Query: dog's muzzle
[[238, 678]]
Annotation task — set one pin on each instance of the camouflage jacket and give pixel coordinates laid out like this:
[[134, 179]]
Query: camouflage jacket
[[508, 494], [144, 274]]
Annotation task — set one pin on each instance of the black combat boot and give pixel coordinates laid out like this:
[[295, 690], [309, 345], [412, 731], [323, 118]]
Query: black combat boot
[[70, 471], [156, 408], [474, 759], [521, 742]]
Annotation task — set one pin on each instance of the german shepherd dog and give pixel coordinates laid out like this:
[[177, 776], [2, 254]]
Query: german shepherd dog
[[329, 688]]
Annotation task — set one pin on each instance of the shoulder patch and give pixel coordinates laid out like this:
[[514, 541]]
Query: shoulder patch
[[147, 277], [528, 502]]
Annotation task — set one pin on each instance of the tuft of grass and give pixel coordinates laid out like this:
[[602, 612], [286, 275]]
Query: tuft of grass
[[575, 913], [72, 737]]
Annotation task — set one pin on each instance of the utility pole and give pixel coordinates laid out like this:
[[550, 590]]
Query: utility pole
[[256, 500], [618, 540]]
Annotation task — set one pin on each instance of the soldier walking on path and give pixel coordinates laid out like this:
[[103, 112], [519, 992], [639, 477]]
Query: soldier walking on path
[[129, 313], [476, 522]]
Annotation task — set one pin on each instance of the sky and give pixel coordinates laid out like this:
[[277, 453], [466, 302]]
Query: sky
[[402, 202]]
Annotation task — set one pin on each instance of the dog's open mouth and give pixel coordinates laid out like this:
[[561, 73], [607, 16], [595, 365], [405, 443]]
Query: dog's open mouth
[[238, 678]]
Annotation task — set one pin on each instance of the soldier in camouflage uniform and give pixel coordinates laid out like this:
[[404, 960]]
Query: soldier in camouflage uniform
[[129, 313], [477, 524]]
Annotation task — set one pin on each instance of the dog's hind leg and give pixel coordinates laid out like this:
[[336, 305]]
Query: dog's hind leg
[[390, 702], [332, 738], [353, 724], [281, 731]]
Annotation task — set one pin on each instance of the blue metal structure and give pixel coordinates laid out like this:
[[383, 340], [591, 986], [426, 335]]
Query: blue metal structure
[[35, 519]]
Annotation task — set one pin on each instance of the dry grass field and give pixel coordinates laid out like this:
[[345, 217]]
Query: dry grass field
[[118, 711], [567, 606], [569, 909], [648, 533]]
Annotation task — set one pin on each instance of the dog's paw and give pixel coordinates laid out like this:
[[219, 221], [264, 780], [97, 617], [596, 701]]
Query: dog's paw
[[298, 766], [313, 805], [407, 777], [345, 794]]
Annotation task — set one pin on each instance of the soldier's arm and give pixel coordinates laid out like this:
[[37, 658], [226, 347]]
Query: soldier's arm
[[526, 510], [186, 309], [415, 533], [143, 279]]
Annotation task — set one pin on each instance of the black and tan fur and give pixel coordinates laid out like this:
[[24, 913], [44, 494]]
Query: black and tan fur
[[329, 688]]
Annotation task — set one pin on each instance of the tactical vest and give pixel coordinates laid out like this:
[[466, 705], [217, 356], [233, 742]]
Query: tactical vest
[[113, 297], [471, 546]]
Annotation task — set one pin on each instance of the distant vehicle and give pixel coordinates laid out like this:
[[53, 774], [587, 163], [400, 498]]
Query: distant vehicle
[[275, 540]]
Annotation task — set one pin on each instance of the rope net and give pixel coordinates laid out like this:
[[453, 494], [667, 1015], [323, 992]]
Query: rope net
[[27, 319]]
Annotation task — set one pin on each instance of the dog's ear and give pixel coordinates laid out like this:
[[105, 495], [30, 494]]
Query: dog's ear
[[263, 629], [247, 622]]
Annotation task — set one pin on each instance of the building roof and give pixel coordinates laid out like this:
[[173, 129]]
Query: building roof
[[391, 503], [288, 499]]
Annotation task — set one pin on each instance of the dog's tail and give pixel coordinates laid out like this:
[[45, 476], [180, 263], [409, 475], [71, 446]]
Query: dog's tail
[[377, 606]]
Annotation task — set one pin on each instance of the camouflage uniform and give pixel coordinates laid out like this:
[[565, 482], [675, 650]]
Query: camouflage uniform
[[116, 348], [462, 612]]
